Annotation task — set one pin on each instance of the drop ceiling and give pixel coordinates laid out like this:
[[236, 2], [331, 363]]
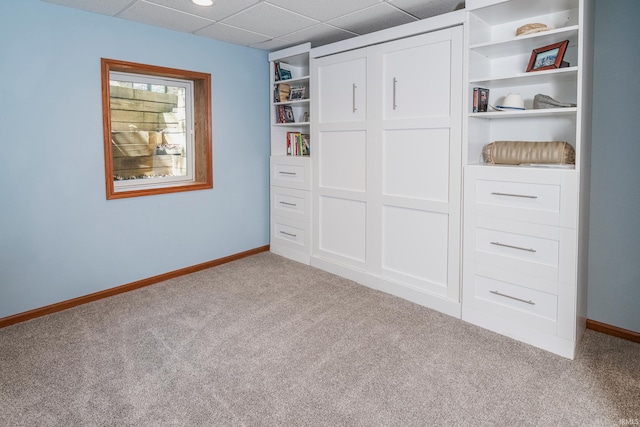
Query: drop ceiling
[[271, 24]]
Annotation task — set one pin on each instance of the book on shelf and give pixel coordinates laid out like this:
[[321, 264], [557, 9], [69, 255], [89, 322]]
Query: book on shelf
[[298, 144], [480, 100], [276, 72], [284, 114], [297, 92], [305, 144], [284, 71], [280, 114], [288, 114], [283, 92]]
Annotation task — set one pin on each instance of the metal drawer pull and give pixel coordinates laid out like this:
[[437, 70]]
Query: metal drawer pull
[[288, 204], [515, 298], [515, 195], [513, 247], [354, 97], [395, 82], [288, 234], [287, 173]]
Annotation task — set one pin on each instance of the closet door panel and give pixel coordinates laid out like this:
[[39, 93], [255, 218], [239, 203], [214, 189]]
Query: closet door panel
[[416, 164], [341, 157], [340, 135], [414, 247], [342, 82], [341, 234], [416, 187], [416, 75]]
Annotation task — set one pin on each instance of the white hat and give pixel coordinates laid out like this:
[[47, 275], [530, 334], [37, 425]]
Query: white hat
[[512, 101]]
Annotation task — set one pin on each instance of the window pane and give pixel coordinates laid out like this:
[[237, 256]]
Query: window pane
[[149, 131]]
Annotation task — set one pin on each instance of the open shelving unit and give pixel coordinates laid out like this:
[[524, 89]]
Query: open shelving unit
[[290, 175], [297, 58], [525, 226]]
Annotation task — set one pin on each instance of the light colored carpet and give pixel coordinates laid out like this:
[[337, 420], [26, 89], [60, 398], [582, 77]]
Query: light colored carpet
[[265, 341]]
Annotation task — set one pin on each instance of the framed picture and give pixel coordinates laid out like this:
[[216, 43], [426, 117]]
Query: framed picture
[[297, 92], [548, 57]]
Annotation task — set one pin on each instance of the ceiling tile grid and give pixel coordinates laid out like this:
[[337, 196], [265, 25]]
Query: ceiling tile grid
[[271, 24]]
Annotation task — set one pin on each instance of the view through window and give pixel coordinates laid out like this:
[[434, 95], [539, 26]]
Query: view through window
[[151, 130]]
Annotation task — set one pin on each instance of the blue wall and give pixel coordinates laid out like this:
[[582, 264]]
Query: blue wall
[[59, 237], [614, 238]]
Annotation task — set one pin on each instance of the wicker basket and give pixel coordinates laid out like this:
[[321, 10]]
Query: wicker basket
[[529, 152]]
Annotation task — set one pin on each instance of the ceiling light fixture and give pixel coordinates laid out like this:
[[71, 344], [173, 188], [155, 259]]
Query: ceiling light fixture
[[203, 2]]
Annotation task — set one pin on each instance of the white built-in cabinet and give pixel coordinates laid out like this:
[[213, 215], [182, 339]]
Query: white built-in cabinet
[[290, 176], [395, 194], [386, 181], [525, 228]]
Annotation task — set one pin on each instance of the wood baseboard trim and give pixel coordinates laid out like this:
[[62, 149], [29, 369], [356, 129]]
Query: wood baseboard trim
[[613, 330], [64, 305]]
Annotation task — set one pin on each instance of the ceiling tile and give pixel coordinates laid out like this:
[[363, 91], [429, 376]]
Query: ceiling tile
[[321, 34], [273, 44], [372, 19], [324, 10], [221, 8], [231, 34], [152, 14], [105, 7], [270, 20], [426, 9]]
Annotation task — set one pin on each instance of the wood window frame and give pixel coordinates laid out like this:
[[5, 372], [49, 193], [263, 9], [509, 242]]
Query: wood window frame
[[203, 152]]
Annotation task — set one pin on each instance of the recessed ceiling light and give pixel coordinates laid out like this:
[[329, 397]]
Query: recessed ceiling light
[[203, 2]]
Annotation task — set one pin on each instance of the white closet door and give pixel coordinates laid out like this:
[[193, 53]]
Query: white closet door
[[340, 144], [414, 175], [342, 81]]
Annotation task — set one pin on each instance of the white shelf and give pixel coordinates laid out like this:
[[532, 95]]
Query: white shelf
[[558, 75], [296, 101], [293, 124], [553, 167], [526, 113], [516, 10], [518, 45], [302, 79]]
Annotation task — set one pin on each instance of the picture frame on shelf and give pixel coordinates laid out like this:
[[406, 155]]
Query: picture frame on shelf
[[548, 57], [297, 92]]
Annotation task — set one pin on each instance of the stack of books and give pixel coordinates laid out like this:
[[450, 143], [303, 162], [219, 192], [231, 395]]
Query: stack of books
[[298, 144], [282, 92]]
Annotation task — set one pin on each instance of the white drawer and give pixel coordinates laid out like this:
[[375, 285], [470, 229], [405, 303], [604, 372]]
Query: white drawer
[[541, 251], [512, 303], [290, 233], [541, 196], [290, 203], [291, 172]]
